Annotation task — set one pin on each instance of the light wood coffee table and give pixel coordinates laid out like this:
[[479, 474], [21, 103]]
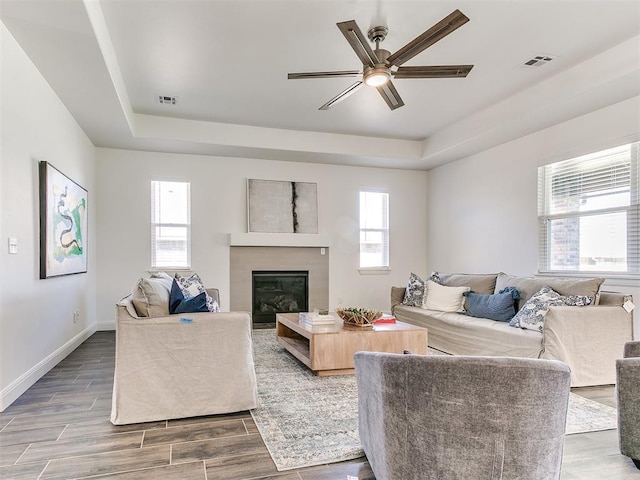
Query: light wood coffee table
[[328, 350]]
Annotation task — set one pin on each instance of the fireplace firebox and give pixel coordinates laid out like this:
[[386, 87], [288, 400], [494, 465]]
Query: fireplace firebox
[[278, 292]]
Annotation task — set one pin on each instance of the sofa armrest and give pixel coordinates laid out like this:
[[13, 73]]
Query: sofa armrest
[[215, 294], [613, 298], [397, 296], [588, 339], [632, 350], [628, 400]]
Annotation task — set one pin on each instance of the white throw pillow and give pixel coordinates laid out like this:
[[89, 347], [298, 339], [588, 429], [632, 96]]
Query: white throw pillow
[[444, 299]]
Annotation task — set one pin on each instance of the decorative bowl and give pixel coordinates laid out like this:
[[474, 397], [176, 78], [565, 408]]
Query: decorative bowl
[[359, 317]]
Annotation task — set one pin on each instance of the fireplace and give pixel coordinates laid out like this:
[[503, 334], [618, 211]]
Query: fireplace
[[276, 291]]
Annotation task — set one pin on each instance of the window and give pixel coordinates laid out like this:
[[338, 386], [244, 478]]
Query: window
[[588, 213], [170, 225], [374, 229]]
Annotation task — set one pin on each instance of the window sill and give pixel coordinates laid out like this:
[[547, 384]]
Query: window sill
[[170, 269], [621, 279], [374, 271]]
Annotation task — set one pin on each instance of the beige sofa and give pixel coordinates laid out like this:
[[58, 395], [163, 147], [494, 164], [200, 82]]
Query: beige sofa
[[167, 368], [589, 339]]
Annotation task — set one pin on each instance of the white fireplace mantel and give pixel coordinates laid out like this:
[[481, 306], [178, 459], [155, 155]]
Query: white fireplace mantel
[[278, 240]]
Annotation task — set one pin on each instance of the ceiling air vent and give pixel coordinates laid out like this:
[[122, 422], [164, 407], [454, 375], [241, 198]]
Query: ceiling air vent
[[538, 61], [167, 100]]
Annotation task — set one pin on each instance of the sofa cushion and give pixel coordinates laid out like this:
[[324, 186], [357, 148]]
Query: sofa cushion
[[464, 335], [444, 299], [479, 283], [150, 297], [531, 315], [499, 306], [527, 286], [192, 286]]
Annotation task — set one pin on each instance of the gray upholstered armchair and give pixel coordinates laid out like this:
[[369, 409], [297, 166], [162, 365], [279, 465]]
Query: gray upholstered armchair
[[628, 395], [449, 417]]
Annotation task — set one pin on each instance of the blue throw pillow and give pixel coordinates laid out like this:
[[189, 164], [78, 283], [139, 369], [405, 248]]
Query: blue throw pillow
[[499, 306], [179, 304]]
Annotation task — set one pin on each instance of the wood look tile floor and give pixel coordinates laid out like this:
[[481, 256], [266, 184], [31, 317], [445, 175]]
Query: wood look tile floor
[[60, 429]]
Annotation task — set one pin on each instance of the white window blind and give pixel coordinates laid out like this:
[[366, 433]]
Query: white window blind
[[374, 229], [588, 213], [170, 224]]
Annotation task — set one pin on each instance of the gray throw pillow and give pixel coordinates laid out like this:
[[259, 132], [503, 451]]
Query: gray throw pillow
[[531, 315]]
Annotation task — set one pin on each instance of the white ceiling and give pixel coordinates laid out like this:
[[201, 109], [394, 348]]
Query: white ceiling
[[227, 64]]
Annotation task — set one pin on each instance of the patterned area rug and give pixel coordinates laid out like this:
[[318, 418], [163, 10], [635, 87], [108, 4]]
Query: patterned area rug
[[307, 420]]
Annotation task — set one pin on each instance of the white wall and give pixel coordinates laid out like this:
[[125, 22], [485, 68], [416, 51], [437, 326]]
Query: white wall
[[218, 208], [482, 209], [36, 316]]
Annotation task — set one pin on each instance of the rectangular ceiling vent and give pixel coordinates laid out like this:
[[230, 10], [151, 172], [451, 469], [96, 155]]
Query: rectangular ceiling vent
[[538, 61], [167, 100]]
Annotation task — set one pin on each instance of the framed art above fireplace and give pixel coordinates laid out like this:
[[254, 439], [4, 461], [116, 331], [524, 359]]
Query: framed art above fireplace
[[282, 207]]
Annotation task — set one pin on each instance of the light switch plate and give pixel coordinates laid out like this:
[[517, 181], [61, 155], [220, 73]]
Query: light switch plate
[[13, 245]]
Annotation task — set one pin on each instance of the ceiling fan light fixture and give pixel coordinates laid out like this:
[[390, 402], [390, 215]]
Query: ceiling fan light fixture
[[376, 76]]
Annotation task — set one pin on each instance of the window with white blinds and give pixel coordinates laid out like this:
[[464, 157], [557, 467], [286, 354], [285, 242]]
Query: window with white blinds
[[588, 213], [374, 229], [170, 225]]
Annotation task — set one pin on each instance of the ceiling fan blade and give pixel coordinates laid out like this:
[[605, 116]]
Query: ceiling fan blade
[[440, 30], [358, 42], [439, 71], [343, 73], [390, 95], [341, 96]]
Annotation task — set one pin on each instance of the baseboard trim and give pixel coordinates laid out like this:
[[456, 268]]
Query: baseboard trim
[[31, 376]]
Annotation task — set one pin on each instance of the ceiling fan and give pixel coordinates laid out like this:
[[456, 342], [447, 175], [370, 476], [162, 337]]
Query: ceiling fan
[[377, 64]]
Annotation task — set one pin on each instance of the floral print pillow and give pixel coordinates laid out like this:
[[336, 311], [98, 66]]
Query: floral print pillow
[[531, 315], [416, 290], [193, 286]]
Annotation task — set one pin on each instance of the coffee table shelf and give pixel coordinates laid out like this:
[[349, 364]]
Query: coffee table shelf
[[298, 348], [328, 350]]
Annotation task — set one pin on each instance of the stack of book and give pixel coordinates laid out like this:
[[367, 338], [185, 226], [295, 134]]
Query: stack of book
[[314, 319]]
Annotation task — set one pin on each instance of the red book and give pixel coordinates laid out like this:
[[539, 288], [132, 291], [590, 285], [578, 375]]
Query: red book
[[384, 320]]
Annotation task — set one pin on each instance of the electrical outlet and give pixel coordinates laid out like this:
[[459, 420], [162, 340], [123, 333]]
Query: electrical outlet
[[76, 316]]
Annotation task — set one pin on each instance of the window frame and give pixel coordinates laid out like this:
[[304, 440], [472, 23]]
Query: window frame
[[631, 210], [155, 224], [385, 230]]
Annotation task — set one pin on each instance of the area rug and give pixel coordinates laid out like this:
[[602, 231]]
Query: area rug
[[307, 420]]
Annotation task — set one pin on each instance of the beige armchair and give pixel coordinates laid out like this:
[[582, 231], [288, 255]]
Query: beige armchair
[[178, 366]]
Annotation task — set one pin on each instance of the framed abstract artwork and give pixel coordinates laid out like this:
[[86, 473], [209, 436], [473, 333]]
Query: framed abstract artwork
[[63, 224], [282, 207]]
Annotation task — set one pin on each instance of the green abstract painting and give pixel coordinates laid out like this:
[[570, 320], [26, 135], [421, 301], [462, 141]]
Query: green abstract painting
[[63, 224]]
